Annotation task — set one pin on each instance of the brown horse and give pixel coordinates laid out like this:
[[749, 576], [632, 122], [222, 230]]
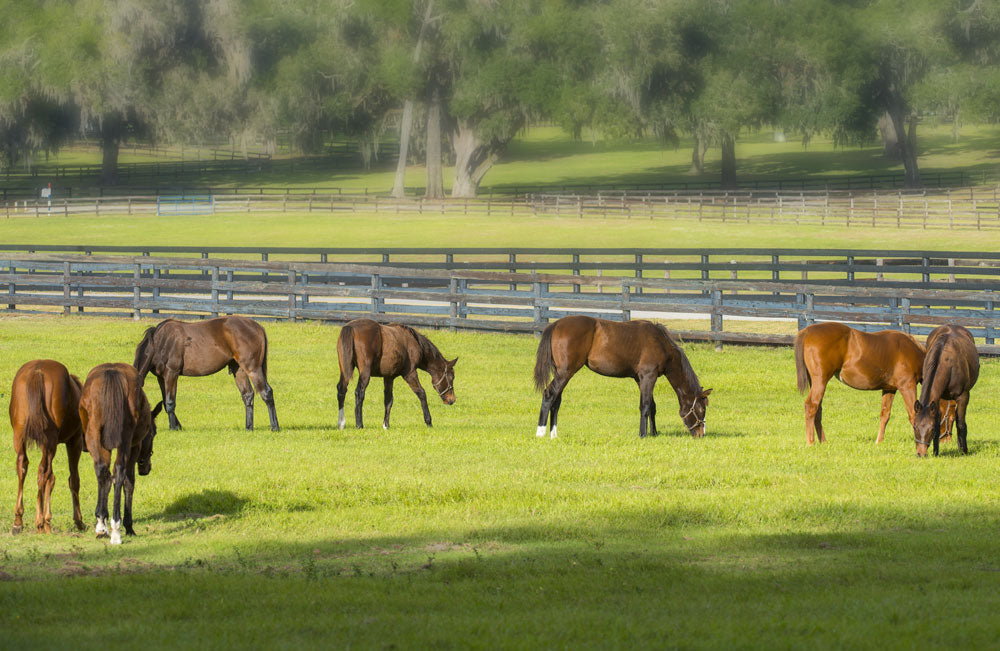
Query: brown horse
[[173, 348], [44, 409], [115, 416], [886, 361], [389, 351], [951, 369], [640, 350]]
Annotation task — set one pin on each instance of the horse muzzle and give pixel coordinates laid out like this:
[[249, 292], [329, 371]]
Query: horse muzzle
[[145, 468], [449, 398], [921, 450]]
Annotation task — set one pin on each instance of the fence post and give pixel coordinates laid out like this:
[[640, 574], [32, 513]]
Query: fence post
[[879, 262], [513, 270], [638, 271], [156, 289], [229, 292], [66, 271], [625, 297], [810, 308], [904, 313], [215, 291], [717, 318], [990, 330], [453, 310], [136, 275], [951, 276], [925, 276], [536, 311], [375, 304], [291, 294]]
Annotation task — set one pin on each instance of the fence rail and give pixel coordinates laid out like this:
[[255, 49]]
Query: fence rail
[[967, 208], [467, 299]]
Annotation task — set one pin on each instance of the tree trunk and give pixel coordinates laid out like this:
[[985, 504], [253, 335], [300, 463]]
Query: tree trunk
[[907, 144], [111, 140], [473, 159], [728, 161], [435, 181], [406, 122], [890, 139], [698, 156]]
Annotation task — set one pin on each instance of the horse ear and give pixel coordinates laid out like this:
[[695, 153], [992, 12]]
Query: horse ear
[[917, 406], [704, 394], [452, 362]]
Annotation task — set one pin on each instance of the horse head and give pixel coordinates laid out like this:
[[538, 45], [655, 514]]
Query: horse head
[[926, 426], [693, 413], [443, 380]]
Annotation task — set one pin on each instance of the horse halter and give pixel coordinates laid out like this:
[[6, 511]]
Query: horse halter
[[441, 393], [690, 412]]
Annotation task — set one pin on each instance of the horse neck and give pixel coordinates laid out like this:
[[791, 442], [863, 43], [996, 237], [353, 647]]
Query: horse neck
[[681, 376], [429, 354], [931, 388]]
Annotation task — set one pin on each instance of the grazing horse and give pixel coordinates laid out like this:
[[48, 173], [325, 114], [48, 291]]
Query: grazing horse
[[173, 348], [44, 409], [886, 361], [389, 351], [640, 350], [115, 416], [951, 369]]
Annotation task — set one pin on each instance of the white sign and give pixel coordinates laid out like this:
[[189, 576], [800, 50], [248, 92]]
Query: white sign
[[46, 193]]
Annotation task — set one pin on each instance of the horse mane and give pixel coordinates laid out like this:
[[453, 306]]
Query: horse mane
[[427, 348], [933, 362], [690, 378], [144, 352]]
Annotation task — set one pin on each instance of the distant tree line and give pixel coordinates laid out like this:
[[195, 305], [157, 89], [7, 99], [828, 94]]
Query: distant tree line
[[460, 78]]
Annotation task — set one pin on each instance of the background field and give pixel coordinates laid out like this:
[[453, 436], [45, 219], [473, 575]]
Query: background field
[[475, 533]]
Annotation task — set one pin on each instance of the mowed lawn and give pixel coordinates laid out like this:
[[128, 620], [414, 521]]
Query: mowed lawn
[[474, 533]]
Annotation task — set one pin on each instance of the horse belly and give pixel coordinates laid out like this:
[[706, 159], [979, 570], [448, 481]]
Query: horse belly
[[863, 377]]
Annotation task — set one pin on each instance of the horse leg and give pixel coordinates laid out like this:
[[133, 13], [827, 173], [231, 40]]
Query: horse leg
[[342, 385], [646, 384], [46, 481], [245, 386], [74, 448], [129, 490], [387, 393], [102, 461], [359, 399], [551, 401], [813, 402], [266, 394], [652, 417], [414, 383], [170, 397], [887, 397], [22, 472], [961, 405], [820, 434], [119, 482]]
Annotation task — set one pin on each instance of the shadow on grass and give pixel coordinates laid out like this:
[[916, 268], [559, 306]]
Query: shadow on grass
[[206, 504]]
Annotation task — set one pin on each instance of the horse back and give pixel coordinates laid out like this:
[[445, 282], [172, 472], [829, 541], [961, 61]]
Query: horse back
[[45, 396], [958, 357], [621, 349], [96, 411]]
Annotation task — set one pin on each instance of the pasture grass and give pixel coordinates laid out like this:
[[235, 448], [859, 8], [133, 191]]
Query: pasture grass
[[550, 156], [474, 533], [389, 230]]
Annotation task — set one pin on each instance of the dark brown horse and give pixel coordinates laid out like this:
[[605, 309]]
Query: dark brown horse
[[116, 416], [886, 361], [44, 409], [174, 348], [389, 351], [951, 369], [640, 350]]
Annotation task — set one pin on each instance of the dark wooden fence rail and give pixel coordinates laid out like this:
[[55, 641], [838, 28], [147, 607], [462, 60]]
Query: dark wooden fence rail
[[477, 300], [915, 269]]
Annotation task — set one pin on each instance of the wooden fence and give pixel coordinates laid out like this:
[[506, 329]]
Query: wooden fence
[[477, 300], [966, 208]]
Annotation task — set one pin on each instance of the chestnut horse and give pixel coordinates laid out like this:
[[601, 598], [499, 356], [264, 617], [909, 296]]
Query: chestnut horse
[[951, 368], [44, 409], [115, 415], [389, 351], [173, 348], [886, 361], [641, 350]]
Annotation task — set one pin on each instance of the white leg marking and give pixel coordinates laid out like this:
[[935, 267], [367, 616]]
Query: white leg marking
[[384, 426], [341, 421], [540, 431], [102, 528], [552, 434], [116, 532]]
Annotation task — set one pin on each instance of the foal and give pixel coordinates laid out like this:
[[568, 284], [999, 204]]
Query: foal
[[116, 416], [389, 351], [44, 409], [951, 369], [641, 350]]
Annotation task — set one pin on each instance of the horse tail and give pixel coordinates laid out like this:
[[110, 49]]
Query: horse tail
[[144, 354], [115, 409], [38, 419], [345, 351], [263, 362], [801, 372], [544, 363]]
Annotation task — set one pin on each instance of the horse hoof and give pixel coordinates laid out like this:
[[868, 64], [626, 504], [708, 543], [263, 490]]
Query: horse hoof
[[275, 428], [16, 529], [80, 526]]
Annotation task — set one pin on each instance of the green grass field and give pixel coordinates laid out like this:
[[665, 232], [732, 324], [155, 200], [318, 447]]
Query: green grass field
[[549, 156], [476, 534]]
